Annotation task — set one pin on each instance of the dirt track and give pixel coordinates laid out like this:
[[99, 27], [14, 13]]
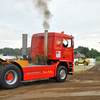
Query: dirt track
[[80, 86]]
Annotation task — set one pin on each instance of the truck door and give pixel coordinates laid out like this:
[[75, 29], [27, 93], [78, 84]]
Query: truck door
[[67, 50]]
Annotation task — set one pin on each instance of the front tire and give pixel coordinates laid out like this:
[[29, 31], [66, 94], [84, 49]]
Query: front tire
[[61, 74], [10, 76], [76, 63]]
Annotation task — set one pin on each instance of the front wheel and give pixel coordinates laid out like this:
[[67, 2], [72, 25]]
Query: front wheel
[[10, 76], [61, 74], [76, 63]]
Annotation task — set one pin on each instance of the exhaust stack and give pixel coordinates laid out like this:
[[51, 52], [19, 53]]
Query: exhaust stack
[[24, 46], [45, 45]]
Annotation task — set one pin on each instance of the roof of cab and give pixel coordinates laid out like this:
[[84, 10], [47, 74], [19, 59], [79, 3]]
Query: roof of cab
[[53, 34]]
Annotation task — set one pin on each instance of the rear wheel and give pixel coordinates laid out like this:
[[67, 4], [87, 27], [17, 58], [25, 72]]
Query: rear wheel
[[10, 76], [61, 74], [85, 63]]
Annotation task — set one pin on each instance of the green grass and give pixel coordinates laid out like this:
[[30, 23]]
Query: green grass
[[97, 62]]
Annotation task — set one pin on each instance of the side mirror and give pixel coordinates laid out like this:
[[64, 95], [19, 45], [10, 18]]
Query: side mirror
[[72, 43]]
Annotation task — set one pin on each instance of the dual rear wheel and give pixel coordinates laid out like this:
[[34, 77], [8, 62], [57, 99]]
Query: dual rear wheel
[[10, 76]]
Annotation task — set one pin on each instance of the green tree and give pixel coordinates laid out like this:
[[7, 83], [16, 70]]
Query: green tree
[[88, 53]]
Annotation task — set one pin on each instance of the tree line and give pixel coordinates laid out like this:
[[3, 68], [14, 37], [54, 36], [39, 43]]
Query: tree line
[[13, 52], [93, 53]]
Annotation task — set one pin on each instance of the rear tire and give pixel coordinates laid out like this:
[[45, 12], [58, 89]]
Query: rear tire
[[61, 74], [10, 76], [85, 63]]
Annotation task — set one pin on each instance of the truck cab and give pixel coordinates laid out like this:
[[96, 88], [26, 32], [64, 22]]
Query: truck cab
[[60, 49]]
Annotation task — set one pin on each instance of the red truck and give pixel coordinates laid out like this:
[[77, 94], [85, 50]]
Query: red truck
[[52, 56]]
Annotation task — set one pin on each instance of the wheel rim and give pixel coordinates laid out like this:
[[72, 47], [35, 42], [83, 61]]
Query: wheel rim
[[11, 77], [62, 74], [85, 63], [76, 63]]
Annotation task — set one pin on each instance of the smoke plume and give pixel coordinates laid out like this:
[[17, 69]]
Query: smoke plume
[[42, 7]]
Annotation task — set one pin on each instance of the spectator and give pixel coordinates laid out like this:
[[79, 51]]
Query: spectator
[[17, 58]]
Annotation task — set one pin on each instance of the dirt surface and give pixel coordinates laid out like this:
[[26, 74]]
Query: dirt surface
[[95, 69], [80, 86]]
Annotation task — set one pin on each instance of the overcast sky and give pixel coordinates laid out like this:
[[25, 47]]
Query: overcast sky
[[80, 18]]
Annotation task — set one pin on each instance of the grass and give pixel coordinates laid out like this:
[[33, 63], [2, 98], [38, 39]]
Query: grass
[[97, 62], [82, 67]]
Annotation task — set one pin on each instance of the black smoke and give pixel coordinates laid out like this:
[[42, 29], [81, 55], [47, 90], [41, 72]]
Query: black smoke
[[41, 7]]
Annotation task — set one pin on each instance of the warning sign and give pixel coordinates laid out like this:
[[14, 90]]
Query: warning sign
[[58, 54]]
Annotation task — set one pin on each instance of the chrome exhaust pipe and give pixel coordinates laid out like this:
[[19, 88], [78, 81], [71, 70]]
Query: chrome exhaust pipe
[[24, 46], [45, 45]]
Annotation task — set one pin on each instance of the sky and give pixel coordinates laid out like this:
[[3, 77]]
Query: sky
[[80, 18]]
